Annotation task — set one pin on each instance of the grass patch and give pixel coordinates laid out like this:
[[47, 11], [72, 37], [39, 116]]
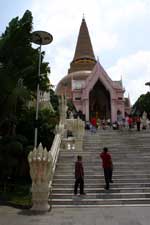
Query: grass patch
[[18, 195]]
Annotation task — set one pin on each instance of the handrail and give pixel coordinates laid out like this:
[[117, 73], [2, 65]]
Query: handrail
[[50, 199], [54, 152]]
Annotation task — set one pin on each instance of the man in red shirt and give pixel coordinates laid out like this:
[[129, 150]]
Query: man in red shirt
[[130, 121], [79, 176], [107, 166], [94, 124]]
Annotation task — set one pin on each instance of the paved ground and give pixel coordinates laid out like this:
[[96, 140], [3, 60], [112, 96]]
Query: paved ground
[[77, 216]]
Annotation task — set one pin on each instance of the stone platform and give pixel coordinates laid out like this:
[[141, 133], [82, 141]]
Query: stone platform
[[77, 216]]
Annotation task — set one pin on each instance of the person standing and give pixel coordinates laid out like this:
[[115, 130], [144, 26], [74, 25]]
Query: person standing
[[138, 123], [79, 176], [130, 121], [107, 166], [94, 124]]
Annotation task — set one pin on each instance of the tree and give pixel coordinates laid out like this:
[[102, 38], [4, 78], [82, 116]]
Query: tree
[[18, 60], [142, 104], [18, 82], [54, 100]]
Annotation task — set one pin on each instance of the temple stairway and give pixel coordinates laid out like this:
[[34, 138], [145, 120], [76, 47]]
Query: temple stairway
[[131, 159]]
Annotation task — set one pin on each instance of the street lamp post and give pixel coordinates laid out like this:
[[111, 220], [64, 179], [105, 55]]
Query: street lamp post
[[40, 38], [147, 84]]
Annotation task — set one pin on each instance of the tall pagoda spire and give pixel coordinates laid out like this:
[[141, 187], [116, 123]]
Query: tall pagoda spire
[[84, 58]]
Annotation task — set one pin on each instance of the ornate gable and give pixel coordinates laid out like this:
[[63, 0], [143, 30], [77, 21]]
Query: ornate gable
[[98, 73]]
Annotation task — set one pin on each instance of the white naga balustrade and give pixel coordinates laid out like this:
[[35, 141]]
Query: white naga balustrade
[[40, 162], [43, 163], [77, 128], [42, 167]]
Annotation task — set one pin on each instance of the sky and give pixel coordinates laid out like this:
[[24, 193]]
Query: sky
[[119, 32]]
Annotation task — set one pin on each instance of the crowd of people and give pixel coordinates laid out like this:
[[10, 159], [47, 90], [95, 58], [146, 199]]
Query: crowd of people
[[129, 122]]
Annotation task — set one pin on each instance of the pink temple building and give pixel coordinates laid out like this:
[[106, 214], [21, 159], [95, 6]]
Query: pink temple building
[[89, 86]]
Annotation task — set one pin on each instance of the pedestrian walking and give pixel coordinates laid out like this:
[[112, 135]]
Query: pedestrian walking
[[79, 176], [94, 124], [138, 123], [107, 166], [130, 122]]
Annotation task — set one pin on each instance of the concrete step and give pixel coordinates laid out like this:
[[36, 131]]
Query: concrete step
[[101, 179], [98, 164], [69, 190], [100, 172], [75, 201], [101, 185], [97, 168], [96, 159], [131, 159], [104, 195], [100, 176], [116, 152]]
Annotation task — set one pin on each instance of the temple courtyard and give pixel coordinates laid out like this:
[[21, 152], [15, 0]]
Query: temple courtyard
[[77, 216]]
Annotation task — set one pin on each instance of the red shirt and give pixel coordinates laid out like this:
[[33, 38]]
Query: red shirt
[[130, 120], [79, 172], [138, 120], [106, 158], [93, 121]]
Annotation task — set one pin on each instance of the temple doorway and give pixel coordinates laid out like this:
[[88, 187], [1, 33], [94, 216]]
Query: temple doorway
[[99, 102]]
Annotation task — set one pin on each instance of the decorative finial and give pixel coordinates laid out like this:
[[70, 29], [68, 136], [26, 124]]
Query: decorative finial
[[97, 59], [83, 16]]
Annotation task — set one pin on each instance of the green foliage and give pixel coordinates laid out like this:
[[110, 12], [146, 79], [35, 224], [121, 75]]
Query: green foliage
[[54, 100], [16, 194], [142, 104], [19, 61], [47, 123], [10, 153], [18, 83]]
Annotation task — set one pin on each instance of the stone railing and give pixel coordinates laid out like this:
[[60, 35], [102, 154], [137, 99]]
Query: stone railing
[[77, 128], [43, 163], [42, 168], [54, 153], [40, 162]]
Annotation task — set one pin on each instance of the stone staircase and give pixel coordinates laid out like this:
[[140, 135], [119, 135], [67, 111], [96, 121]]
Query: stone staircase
[[131, 159]]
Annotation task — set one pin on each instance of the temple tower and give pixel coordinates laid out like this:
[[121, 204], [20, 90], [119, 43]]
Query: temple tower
[[84, 58], [88, 85]]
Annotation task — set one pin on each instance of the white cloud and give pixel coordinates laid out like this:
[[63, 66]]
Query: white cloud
[[126, 12], [135, 72], [107, 41]]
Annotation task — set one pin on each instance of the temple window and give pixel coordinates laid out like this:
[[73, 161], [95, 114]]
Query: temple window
[[78, 98]]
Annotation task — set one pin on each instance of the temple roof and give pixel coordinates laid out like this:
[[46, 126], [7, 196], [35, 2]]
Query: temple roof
[[84, 58]]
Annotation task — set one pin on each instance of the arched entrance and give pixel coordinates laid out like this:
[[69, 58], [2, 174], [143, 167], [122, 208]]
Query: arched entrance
[[99, 102]]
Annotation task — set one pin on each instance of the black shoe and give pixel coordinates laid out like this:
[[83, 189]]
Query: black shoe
[[111, 181], [83, 193], [106, 188]]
